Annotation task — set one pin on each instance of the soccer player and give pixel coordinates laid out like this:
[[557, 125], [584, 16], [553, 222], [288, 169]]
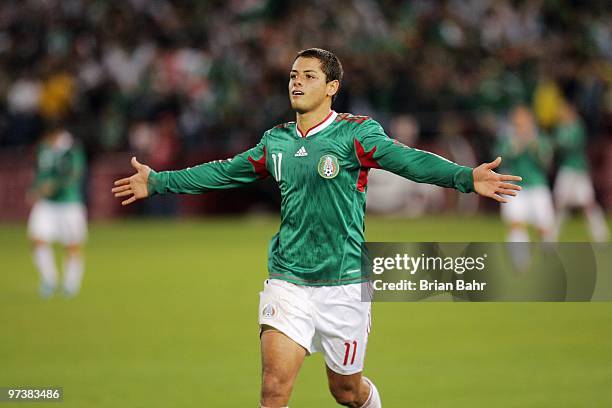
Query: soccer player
[[58, 214], [573, 186], [312, 299], [527, 153]]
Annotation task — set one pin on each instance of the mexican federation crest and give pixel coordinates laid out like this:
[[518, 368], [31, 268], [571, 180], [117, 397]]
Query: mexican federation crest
[[328, 166]]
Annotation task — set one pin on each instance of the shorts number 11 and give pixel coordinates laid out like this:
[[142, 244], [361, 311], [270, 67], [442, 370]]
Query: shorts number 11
[[347, 347]]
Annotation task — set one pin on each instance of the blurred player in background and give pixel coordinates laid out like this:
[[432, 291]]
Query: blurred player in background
[[527, 153], [313, 299], [58, 214], [573, 185]]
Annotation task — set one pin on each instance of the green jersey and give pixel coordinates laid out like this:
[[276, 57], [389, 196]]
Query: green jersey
[[529, 161], [59, 170], [570, 139], [322, 176]]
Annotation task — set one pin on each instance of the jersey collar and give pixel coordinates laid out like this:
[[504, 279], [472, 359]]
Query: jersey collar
[[329, 119]]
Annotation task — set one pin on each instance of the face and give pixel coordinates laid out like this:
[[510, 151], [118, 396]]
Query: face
[[566, 112], [52, 136], [523, 122], [308, 88]]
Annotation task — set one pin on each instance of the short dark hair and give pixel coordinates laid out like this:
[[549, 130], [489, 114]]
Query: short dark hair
[[330, 64]]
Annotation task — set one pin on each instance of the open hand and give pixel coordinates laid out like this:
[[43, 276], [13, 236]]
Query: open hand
[[135, 185], [490, 184]]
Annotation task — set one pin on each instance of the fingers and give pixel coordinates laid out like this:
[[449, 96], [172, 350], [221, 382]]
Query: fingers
[[508, 177], [494, 164], [120, 189], [510, 186], [129, 200], [507, 192], [124, 193], [135, 163], [498, 198], [122, 182]]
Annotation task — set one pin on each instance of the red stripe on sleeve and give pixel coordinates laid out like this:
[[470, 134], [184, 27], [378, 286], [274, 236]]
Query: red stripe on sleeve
[[366, 159], [367, 162], [259, 166]]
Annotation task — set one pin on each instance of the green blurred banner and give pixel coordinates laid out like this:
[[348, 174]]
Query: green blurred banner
[[487, 272]]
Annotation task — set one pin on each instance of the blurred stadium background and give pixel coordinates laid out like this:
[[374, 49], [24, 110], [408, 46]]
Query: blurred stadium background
[[167, 313], [182, 82]]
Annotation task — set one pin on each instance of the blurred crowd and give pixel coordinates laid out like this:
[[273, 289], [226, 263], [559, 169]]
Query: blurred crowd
[[161, 77]]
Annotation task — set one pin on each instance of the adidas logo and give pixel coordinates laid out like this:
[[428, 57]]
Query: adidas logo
[[301, 152]]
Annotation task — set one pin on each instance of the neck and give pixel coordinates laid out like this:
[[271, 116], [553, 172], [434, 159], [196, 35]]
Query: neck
[[308, 120]]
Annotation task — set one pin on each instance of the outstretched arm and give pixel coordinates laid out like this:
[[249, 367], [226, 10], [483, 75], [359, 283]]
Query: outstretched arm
[[220, 174], [376, 150]]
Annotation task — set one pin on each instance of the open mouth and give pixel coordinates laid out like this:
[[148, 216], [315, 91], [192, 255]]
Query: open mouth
[[297, 93]]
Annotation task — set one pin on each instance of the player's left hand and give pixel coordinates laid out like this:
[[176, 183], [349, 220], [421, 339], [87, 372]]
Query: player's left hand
[[490, 184]]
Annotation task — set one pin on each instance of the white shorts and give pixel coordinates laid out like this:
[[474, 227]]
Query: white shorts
[[330, 319], [573, 189], [58, 222], [532, 205]]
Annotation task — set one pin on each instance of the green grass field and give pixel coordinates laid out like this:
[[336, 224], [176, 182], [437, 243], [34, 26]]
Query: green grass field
[[168, 318]]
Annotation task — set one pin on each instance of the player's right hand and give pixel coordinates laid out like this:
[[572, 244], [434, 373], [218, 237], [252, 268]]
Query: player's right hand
[[490, 184], [135, 185]]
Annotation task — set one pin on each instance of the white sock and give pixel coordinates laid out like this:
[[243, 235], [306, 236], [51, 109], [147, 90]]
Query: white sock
[[45, 262], [73, 273], [373, 400], [597, 224]]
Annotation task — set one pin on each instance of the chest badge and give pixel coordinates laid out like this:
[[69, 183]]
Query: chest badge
[[328, 166]]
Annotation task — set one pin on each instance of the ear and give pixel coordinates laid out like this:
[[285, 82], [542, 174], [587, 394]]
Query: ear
[[332, 87]]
